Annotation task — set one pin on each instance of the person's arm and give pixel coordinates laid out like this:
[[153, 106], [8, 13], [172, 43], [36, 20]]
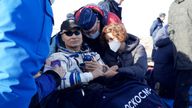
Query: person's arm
[[95, 63], [52, 79], [139, 68], [73, 74], [161, 33], [153, 27]]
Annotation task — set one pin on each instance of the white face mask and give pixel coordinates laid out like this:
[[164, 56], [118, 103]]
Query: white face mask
[[114, 45], [94, 35]]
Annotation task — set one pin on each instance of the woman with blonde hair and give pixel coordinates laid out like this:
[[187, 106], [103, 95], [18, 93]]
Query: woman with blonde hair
[[125, 51], [125, 88]]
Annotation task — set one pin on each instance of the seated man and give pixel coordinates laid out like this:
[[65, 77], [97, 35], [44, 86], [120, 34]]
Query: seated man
[[78, 64]]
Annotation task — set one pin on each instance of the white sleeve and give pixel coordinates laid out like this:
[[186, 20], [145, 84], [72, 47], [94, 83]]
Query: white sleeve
[[73, 74]]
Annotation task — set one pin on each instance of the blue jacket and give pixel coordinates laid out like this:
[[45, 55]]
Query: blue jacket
[[157, 24], [25, 31], [164, 67], [122, 91], [52, 80], [164, 62], [127, 93]]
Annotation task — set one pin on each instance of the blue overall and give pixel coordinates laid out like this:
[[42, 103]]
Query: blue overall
[[25, 31]]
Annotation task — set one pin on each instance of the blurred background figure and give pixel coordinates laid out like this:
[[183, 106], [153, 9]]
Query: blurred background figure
[[70, 16], [112, 6], [180, 29], [157, 24], [164, 75], [25, 32]]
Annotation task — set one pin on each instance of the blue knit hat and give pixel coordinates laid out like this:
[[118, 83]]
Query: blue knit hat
[[87, 19]]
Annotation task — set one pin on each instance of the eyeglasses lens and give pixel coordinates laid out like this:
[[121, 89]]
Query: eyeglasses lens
[[70, 33]]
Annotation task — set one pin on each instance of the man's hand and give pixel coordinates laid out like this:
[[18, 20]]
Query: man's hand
[[90, 66], [97, 73], [112, 71]]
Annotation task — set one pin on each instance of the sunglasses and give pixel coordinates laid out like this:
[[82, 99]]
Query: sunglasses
[[70, 33]]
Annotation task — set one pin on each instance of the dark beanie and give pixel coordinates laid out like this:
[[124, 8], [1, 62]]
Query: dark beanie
[[87, 19]]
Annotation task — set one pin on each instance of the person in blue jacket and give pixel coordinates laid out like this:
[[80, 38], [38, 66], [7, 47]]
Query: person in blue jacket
[[157, 24], [25, 31], [155, 27], [52, 78]]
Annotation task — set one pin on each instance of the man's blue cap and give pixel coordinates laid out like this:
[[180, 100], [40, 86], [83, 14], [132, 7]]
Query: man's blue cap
[[87, 19]]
